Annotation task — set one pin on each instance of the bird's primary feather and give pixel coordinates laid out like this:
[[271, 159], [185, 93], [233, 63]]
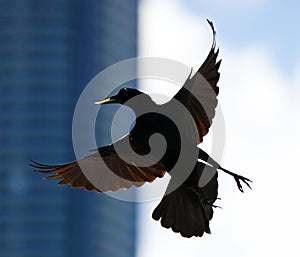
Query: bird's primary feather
[[199, 93], [105, 168]]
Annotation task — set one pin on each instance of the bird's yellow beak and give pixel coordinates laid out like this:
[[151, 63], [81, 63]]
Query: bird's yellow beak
[[106, 100]]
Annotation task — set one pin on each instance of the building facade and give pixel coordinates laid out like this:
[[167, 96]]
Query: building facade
[[49, 51]]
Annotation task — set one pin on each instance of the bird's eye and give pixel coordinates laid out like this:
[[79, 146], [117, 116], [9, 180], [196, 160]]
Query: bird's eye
[[124, 91]]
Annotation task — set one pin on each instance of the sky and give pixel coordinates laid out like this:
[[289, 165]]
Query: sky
[[259, 45]]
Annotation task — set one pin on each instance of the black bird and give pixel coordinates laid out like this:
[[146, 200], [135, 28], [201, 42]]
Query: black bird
[[186, 207]]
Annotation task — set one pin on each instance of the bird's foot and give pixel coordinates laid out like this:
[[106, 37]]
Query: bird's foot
[[211, 202], [243, 179], [208, 201], [238, 179]]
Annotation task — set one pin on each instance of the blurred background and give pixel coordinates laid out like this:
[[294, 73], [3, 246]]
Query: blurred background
[[50, 50]]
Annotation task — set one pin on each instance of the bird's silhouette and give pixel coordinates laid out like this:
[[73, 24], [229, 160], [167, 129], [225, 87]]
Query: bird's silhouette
[[186, 206]]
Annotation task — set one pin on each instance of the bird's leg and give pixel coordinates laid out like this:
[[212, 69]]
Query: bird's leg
[[205, 157], [237, 179]]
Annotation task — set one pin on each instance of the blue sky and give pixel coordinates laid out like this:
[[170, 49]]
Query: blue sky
[[275, 21], [273, 24], [259, 97]]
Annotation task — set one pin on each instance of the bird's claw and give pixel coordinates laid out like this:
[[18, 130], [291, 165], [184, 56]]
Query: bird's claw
[[237, 179], [211, 201], [215, 206]]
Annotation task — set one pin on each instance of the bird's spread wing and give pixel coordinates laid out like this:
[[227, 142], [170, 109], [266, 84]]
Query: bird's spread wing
[[106, 173], [199, 93]]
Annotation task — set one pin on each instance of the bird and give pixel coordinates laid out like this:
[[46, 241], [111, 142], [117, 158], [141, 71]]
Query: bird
[[186, 207]]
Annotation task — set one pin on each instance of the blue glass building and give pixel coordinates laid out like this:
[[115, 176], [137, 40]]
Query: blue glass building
[[49, 51]]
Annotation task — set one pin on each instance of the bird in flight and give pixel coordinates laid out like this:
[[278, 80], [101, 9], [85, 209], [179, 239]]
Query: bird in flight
[[187, 206]]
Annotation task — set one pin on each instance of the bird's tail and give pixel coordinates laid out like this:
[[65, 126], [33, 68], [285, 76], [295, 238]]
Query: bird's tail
[[189, 208]]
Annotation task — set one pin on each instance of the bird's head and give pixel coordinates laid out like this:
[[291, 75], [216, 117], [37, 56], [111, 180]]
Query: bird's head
[[122, 97]]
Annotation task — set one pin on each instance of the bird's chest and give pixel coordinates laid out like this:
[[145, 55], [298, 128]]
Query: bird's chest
[[154, 131]]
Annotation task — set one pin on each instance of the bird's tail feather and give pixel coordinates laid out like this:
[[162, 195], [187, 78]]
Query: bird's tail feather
[[188, 209]]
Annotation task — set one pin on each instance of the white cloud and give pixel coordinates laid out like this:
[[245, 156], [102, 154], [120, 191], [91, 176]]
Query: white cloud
[[166, 31], [260, 104]]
